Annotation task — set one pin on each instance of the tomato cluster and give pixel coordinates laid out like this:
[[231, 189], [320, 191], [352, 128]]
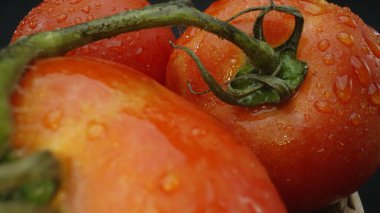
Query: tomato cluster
[[126, 142]]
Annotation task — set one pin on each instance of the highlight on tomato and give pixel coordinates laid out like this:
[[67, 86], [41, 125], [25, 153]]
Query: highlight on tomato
[[146, 50], [321, 144], [127, 143]]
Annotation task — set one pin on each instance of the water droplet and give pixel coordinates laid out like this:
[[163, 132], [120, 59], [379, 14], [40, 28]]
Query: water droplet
[[61, 18], [311, 7], [95, 130], [323, 45], [307, 117], [74, 1], [328, 59], [33, 24], [170, 182], [52, 120], [286, 139], [78, 20], [347, 21], [365, 49], [374, 93], [372, 38], [197, 132], [343, 88], [86, 9], [327, 94], [324, 106], [90, 18], [345, 38], [139, 51], [355, 119], [280, 126], [361, 70]]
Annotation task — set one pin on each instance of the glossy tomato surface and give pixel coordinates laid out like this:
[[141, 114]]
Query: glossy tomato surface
[[145, 50], [128, 144], [324, 143]]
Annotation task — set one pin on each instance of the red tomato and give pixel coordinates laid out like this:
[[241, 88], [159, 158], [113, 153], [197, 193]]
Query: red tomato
[[128, 144], [145, 50], [325, 142]]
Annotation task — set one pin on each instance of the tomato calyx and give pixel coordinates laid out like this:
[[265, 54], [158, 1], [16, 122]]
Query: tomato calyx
[[253, 86], [28, 182]]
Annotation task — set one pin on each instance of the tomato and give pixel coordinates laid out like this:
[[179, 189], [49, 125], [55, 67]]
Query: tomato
[[127, 143], [324, 143], [145, 50]]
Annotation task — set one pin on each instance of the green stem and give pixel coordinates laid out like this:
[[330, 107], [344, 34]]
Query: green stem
[[14, 58], [39, 166]]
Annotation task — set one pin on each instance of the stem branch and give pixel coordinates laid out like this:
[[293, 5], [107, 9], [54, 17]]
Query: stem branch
[[46, 44]]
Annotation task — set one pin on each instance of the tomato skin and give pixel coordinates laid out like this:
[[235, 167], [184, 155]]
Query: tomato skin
[[126, 142], [324, 143], [145, 50]]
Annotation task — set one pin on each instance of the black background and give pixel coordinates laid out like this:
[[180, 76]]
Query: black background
[[12, 11]]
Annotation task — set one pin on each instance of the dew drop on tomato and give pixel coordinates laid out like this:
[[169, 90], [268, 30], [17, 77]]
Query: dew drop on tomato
[[90, 18], [355, 119], [327, 94], [361, 70], [311, 8], [345, 38], [323, 45], [348, 21], [95, 130], [328, 59], [343, 88], [78, 20], [324, 106], [33, 24], [197, 132], [74, 1], [170, 182], [61, 18], [86, 9], [139, 51], [374, 94], [52, 120], [372, 38], [307, 117]]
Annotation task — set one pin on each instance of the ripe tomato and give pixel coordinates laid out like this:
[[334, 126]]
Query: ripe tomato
[[324, 143], [127, 143], [145, 50]]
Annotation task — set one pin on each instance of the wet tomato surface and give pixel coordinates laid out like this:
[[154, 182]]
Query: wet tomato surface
[[322, 144], [127, 143]]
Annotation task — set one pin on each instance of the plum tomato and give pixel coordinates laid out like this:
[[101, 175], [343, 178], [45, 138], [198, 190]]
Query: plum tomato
[[127, 143], [325, 142], [145, 50]]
